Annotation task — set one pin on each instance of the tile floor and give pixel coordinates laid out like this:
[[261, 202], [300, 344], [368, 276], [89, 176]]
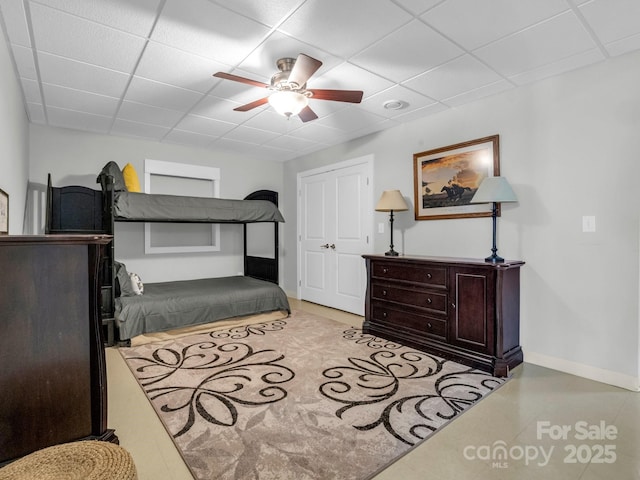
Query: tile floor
[[520, 419]]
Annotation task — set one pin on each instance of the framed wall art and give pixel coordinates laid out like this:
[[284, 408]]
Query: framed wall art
[[446, 178], [4, 212]]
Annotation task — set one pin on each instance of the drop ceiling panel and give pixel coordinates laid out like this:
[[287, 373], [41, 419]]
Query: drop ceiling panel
[[208, 30], [145, 68], [407, 52], [547, 42], [61, 71], [72, 37], [473, 24], [135, 17], [162, 95], [456, 77], [344, 28]]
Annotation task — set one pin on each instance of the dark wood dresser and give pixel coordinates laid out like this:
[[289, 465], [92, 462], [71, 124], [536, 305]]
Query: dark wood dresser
[[462, 309], [52, 361]]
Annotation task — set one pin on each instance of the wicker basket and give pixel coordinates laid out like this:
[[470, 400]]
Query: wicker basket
[[85, 460]]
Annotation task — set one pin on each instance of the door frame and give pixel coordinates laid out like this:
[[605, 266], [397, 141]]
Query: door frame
[[364, 160]]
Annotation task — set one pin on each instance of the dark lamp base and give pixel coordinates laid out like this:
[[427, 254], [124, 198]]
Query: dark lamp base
[[494, 259], [391, 253]]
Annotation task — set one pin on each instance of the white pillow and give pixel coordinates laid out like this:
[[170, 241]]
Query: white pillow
[[136, 283]]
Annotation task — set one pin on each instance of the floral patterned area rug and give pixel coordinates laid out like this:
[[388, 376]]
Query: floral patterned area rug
[[301, 398]]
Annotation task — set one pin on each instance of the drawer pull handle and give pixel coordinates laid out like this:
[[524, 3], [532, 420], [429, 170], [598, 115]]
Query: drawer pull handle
[[453, 305], [429, 276], [384, 314], [384, 270], [429, 301], [384, 293], [429, 326]]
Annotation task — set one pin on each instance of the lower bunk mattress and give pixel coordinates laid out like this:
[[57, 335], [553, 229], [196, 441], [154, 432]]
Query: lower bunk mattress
[[170, 305]]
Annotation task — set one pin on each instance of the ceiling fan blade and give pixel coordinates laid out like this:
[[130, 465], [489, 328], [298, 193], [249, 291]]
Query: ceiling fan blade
[[306, 114], [302, 70], [352, 96], [249, 106], [236, 78]]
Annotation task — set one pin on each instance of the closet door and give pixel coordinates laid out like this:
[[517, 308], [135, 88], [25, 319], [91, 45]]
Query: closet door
[[335, 218]]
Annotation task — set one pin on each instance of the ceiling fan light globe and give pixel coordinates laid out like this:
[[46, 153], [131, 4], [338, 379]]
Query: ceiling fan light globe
[[288, 103]]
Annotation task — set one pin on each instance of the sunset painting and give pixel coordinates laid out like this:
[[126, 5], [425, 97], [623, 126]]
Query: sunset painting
[[446, 179]]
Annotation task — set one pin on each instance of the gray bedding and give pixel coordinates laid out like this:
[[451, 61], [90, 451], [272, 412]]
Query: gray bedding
[[168, 305], [133, 206]]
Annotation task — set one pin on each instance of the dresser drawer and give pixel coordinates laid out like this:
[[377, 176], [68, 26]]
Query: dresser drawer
[[384, 314], [437, 302], [427, 275]]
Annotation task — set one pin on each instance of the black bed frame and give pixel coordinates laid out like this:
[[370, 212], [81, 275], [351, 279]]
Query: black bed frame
[[78, 209]]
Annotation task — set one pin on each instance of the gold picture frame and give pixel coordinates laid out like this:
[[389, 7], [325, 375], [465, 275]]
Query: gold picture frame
[[446, 178]]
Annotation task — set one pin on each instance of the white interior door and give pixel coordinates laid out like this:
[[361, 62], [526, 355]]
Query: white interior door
[[335, 231]]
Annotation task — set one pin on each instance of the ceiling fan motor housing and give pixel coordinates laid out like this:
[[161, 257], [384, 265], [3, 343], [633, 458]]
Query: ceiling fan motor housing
[[280, 80]]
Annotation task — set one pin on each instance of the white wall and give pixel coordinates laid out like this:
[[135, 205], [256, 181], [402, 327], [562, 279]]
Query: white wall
[[14, 140], [75, 158], [570, 147]]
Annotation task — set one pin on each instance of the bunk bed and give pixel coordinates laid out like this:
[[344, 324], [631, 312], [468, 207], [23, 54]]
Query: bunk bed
[[176, 304]]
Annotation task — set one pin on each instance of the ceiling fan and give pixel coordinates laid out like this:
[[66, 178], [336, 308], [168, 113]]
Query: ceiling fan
[[290, 93]]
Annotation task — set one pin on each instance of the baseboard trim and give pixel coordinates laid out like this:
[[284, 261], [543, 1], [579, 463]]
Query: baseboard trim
[[609, 377]]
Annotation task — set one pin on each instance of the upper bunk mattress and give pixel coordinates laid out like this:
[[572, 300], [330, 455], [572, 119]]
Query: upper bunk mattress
[[145, 207], [169, 305]]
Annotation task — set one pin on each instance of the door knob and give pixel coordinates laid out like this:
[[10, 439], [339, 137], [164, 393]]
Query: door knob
[[326, 245], [332, 246]]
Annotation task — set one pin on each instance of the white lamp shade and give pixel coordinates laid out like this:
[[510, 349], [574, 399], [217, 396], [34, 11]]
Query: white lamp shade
[[391, 200], [288, 103], [494, 189]]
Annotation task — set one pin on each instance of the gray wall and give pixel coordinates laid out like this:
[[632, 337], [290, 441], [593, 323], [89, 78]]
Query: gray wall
[[569, 146], [14, 141], [75, 158]]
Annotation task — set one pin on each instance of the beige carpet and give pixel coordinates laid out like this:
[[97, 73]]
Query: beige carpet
[[300, 398]]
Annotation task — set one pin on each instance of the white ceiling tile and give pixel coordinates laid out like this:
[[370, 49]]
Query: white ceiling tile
[[72, 37], [330, 24], [221, 109], [81, 76], [189, 138], [453, 78], [263, 60], [205, 126], [349, 120], [556, 68], [250, 135], [421, 113], [139, 112], [24, 62], [317, 132], [178, 68], [478, 93], [135, 17], [347, 76], [547, 42], [208, 30], [79, 100], [287, 142], [136, 129], [473, 24], [418, 6], [268, 120], [15, 22], [267, 13], [31, 90], [404, 53], [624, 45], [612, 20], [162, 95], [36, 113], [60, 117], [413, 101]]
